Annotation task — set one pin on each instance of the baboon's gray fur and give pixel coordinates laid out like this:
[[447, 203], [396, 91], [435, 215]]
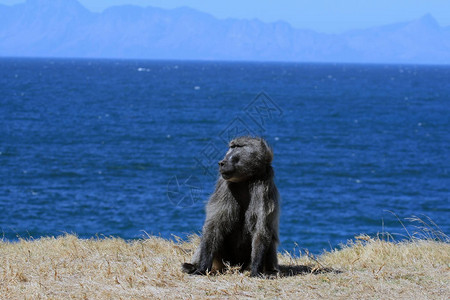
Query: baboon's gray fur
[[242, 215]]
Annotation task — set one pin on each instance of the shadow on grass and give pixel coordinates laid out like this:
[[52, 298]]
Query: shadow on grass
[[295, 270]]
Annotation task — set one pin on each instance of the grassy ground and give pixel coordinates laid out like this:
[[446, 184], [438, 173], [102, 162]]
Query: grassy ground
[[68, 267]]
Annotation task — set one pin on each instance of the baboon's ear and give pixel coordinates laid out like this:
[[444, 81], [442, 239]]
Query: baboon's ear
[[268, 151]]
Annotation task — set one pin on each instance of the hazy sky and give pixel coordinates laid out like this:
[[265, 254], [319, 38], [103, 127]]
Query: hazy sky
[[321, 15]]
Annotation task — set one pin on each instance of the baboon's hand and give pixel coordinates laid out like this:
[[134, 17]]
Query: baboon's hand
[[192, 269], [188, 268], [256, 274]]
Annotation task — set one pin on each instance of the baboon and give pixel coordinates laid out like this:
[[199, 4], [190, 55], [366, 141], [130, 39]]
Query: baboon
[[242, 215]]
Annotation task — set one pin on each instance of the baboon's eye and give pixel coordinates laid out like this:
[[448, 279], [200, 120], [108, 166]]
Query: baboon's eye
[[235, 159], [236, 146]]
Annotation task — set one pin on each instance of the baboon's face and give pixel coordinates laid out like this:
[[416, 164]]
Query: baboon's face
[[233, 166], [244, 159]]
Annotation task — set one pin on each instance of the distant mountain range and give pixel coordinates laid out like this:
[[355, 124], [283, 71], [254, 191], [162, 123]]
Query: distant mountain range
[[64, 28]]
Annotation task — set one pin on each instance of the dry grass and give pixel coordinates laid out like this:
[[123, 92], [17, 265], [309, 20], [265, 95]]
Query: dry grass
[[69, 267]]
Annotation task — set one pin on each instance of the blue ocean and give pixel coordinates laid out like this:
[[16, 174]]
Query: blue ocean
[[130, 148]]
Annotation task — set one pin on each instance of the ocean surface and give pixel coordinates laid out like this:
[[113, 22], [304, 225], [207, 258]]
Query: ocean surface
[[129, 148]]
